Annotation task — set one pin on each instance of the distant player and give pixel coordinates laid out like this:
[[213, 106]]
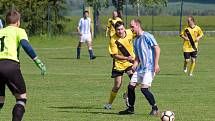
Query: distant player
[[121, 50], [85, 32], [11, 38], [110, 30], [147, 54], [191, 35]]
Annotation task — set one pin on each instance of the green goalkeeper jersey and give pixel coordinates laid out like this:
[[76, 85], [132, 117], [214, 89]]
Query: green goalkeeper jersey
[[10, 38]]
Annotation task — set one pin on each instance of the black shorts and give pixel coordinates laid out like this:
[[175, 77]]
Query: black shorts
[[10, 75], [116, 73], [193, 54]]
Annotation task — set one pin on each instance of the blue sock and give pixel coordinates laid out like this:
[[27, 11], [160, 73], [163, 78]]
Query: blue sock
[[78, 53], [149, 96], [91, 53]]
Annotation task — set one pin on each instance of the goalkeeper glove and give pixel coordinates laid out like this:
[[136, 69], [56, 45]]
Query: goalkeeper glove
[[42, 67]]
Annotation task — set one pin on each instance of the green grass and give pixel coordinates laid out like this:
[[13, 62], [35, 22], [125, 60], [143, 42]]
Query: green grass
[[161, 23], [76, 90]]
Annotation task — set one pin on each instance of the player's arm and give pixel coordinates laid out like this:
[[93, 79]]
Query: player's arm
[[78, 28], [108, 28], [136, 62], [198, 38], [182, 35], [121, 57], [31, 53], [157, 56]]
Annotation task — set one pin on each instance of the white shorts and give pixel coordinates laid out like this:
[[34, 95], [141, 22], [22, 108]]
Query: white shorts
[[145, 78], [85, 38]]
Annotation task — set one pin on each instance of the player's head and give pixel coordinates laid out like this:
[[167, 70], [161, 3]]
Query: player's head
[[85, 14], [120, 29], [136, 26], [13, 17], [190, 21], [115, 14]]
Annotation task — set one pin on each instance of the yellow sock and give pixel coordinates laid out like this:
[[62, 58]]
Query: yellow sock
[[192, 66], [112, 97]]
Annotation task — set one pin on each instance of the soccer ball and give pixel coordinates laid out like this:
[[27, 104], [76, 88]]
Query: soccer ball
[[167, 116]]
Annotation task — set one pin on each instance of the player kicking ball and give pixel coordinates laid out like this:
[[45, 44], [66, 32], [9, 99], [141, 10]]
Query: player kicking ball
[[147, 53], [191, 35], [11, 38]]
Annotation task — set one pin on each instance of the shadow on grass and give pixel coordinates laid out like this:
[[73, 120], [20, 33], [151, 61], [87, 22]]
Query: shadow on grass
[[169, 74]]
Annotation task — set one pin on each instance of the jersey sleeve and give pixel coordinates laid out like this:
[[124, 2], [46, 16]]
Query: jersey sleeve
[[200, 32], [79, 23], [22, 35], [113, 47], [151, 40]]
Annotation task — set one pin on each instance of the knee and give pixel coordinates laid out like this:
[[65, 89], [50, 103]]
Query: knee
[[193, 60], [116, 88], [144, 90], [187, 60]]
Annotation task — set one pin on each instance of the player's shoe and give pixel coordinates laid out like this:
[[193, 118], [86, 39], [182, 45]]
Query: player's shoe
[[93, 57], [185, 70], [190, 74], [154, 112], [128, 111], [107, 106], [125, 97]]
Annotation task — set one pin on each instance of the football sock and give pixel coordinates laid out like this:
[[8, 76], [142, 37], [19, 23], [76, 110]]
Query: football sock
[[19, 110], [112, 97], [1, 105], [131, 95], [185, 64], [91, 53], [192, 66], [149, 96], [78, 52]]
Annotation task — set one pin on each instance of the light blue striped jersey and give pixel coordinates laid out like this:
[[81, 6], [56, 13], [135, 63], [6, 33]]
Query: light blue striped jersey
[[144, 50], [84, 25]]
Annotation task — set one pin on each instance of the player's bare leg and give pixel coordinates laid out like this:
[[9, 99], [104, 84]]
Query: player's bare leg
[[114, 91], [19, 107]]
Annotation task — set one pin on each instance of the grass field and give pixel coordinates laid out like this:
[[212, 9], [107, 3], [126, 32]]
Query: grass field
[[76, 90]]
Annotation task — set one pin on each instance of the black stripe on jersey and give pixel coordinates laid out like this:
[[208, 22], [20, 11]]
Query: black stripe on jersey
[[190, 39]]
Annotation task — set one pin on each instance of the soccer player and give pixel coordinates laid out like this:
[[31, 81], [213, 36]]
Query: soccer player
[[85, 32], [191, 35], [110, 30], [147, 54], [121, 50], [11, 38]]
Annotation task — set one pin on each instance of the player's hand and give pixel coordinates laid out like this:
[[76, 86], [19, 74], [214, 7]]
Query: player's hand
[[156, 69], [41, 66], [130, 59]]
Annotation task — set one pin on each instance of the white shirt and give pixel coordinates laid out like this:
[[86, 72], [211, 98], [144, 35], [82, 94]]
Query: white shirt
[[84, 25]]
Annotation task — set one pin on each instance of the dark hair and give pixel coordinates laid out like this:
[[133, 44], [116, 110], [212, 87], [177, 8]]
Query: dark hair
[[118, 23], [12, 17], [85, 12]]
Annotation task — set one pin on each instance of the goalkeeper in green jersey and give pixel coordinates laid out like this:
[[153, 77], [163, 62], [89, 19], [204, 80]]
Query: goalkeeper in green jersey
[[11, 38]]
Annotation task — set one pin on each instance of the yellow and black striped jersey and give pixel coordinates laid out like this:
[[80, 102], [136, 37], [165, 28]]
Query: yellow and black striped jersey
[[127, 42], [195, 32], [110, 25]]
